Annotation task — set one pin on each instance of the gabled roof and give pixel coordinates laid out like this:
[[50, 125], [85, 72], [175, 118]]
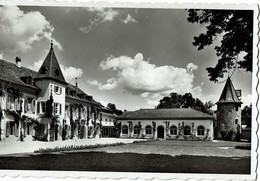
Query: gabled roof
[[229, 94], [11, 73], [164, 114], [52, 68]]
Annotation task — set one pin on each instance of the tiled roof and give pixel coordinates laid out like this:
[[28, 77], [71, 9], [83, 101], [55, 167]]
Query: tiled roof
[[51, 64], [11, 73], [164, 114], [229, 94], [78, 92]]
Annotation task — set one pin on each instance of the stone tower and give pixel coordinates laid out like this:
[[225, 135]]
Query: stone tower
[[229, 113]]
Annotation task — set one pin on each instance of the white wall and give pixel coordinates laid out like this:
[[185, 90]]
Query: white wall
[[207, 124]]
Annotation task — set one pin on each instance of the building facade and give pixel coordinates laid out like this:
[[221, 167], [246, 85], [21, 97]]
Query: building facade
[[43, 106], [179, 123]]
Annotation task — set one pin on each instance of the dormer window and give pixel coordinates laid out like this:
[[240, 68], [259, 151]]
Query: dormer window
[[56, 72], [28, 80], [44, 70]]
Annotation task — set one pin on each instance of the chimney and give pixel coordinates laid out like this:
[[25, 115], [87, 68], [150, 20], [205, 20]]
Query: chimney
[[18, 62]]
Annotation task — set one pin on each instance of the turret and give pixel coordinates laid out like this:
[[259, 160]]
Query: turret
[[229, 113]]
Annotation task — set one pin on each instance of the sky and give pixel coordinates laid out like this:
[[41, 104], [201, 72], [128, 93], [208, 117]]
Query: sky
[[129, 57]]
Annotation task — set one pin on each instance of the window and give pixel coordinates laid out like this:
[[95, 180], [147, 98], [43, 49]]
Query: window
[[57, 89], [124, 129], [236, 108], [10, 102], [56, 72], [186, 130], [136, 130], [28, 105], [236, 121], [43, 104], [201, 131], [148, 130], [56, 108], [173, 130], [44, 70]]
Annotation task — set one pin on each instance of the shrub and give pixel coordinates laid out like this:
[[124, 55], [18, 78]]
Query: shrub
[[75, 147]]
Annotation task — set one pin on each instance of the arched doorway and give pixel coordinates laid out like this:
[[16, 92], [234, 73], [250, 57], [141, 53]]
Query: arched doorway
[[160, 132]]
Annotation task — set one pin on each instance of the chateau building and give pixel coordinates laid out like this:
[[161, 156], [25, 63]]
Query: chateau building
[[43, 106], [229, 113], [178, 123]]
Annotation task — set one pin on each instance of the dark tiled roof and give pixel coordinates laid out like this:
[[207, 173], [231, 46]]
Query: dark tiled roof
[[11, 73], [78, 92], [229, 94], [52, 65], [164, 114]]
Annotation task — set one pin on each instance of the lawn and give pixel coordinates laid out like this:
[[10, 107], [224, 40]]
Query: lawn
[[126, 162]]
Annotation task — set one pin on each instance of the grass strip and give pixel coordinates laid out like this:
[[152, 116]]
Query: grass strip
[[75, 147], [243, 147]]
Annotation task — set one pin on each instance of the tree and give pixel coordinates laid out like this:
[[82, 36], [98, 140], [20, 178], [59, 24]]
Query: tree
[[184, 101], [113, 108], [246, 116], [236, 29]]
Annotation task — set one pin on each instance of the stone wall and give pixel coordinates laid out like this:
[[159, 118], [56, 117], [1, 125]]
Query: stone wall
[[229, 120]]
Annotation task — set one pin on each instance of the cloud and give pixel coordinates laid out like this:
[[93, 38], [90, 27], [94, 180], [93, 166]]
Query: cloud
[[247, 100], [19, 29], [101, 15], [69, 73], [128, 19], [36, 65], [104, 103], [111, 84], [1, 55], [151, 82]]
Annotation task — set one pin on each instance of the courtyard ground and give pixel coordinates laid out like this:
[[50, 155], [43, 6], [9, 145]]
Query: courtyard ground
[[12, 146]]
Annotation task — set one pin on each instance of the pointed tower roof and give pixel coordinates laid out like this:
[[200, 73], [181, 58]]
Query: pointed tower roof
[[229, 94], [50, 68]]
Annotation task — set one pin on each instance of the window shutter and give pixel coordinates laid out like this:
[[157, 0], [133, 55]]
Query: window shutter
[[60, 109], [25, 105], [33, 106], [38, 107]]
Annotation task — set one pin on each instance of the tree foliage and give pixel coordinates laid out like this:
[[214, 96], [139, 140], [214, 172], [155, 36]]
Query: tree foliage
[[236, 29], [246, 116], [184, 101], [112, 107]]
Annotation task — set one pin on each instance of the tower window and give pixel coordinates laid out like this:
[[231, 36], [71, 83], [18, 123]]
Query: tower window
[[44, 70], [236, 121], [56, 72]]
